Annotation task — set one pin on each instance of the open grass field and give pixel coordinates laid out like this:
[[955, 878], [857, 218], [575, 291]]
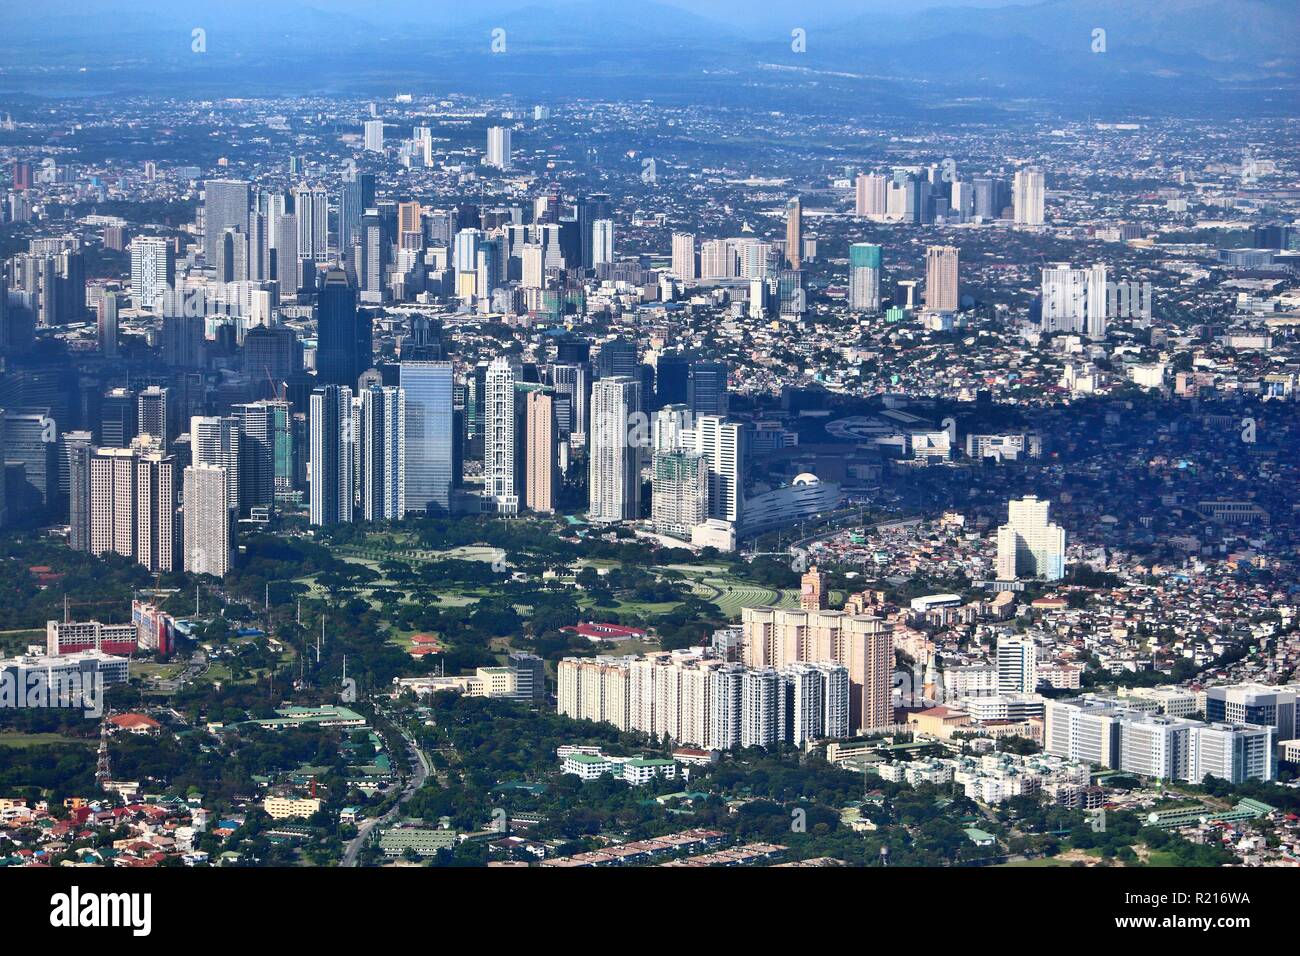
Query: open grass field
[[8, 739]]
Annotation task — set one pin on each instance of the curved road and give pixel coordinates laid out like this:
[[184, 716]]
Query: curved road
[[413, 783]]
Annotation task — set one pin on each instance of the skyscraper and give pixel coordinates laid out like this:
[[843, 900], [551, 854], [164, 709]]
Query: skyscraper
[[311, 207], [133, 505], [430, 439], [216, 441], [153, 270], [1017, 662], [614, 482], [330, 425], [539, 488], [941, 283], [719, 441], [684, 264], [152, 418], [679, 498], [864, 277], [1029, 546], [1075, 301], [208, 521], [107, 324], [793, 234], [374, 136], [225, 206], [500, 493], [498, 147], [1027, 196], [870, 195], [356, 195], [382, 462], [343, 333]]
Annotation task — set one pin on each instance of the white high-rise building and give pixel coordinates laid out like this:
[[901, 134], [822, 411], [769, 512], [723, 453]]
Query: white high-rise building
[[761, 707], [499, 419], [498, 147], [615, 471], [375, 135], [133, 504], [153, 270], [383, 453], [311, 207], [870, 196], [719, 441], [602, 241], [864, 277], [215, 441], [1027, 196], [207, 520], [684, 266], [1029, 545], [1074, 300], [1017, 664]]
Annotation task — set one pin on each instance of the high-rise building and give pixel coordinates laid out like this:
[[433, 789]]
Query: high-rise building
[[106, 316], [706, 388], [684, 263], [1029, 546], [344, 346], [208, 520], [288, 266], [263, 426], [430, 438], [679, 499], [374, 136], [1017, 660], [500, 492], [813, 592], [216, 441], [152, 414], [870, 192], [864, 277], [941, 282], [330, 463], [78, 448], [540, 460], [614, 482], [225, 207], [602, 242], [1074, 300], [356, 195], [153, 270], [498, 147], [311, 207], [1027, 196], [793, 234], [381, 457], [133, 505], [719, 441]]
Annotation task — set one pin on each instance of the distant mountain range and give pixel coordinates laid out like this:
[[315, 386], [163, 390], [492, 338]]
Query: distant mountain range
[[1124, 54]]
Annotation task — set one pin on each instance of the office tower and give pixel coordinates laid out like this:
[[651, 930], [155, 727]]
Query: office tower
[[793, 234], [30, 440], [430, 439], [1017, 660], [602, 242], [225, 207], [617, 357], [719, 441], [231, 262], [1027, 196], [118, 417], [592, 209], [1074, 300], [574, 382], [153, 270], [261, 425], [330, 464], [259, 247], [498, 147], [684, 263], [133, 505], [870, 192], [343, 333], [311, 207], [813, 592], [1029, 546], [107, 324], [1232, 753], [208, 521], [272, 355], [374, 136], [382, 457], [990, 197], [78, 448], [4, 504], [489, 267], [792, 301], [540, 464], [152, 419], [288, 267], [409, 221], [356, 195], [679, 498], [216, 441], [864, 277], [499, 488], [941, 288], [706, 388], [615, 474], [962, 201]]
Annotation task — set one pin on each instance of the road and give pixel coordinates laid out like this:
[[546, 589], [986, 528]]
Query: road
[[413, 783]]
